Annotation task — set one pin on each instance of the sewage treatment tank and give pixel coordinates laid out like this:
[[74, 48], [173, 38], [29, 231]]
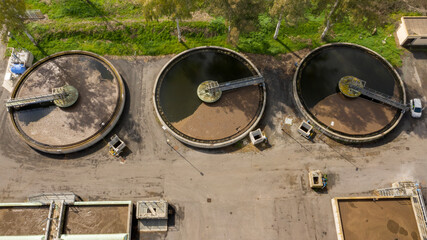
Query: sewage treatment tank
[[227, 115], [67, 102], [344, 117]]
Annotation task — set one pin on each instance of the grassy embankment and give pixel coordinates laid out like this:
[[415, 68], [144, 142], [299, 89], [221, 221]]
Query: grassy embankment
[[114, 27]]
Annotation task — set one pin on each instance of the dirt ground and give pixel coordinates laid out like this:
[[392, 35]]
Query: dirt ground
[[380, 219], [19, 221], [255, 193], [95, 219]]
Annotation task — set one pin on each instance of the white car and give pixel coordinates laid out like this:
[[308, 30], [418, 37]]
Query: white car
[[416, 107]]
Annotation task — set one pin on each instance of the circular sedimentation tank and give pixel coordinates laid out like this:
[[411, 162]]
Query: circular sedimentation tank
[[216, 122], [93, 102], [322, 95]]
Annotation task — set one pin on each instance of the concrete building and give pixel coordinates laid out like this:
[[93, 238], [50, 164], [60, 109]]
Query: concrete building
[[412, 31]]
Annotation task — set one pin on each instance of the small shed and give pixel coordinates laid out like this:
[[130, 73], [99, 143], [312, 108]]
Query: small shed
[[152, 216], [412, 31]]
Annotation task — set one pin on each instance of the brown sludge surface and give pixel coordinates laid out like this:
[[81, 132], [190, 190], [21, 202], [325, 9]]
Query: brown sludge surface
[[20, 221], [98, 96], [232, 114], [353, 115], [96, 219], [382, 219]]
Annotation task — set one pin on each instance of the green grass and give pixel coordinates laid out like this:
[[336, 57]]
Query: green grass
[[291, 38], [75, 25], [94, 9], [115, 38], [382, 41]]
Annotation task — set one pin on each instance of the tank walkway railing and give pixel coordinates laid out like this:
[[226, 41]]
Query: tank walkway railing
[[22, 102], [243, 82], [392, 192], [67, 197], [379, 96], [423, 208]]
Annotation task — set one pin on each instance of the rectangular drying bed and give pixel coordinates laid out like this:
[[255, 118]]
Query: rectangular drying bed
[[378, 217], [23, 221], [98, 220]]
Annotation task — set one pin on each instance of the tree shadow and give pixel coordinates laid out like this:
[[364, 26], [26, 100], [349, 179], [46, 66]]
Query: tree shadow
[[44, 53], [102, 14], [287, 48], [127, 128], [184, 44]]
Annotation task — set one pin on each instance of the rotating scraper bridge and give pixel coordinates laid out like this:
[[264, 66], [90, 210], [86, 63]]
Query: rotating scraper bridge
[[62, 97], [210, 91], [354, 87]]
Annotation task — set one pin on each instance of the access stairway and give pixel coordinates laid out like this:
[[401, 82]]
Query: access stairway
[[379, 96], [45, 198], [57, 93], [243, 82]]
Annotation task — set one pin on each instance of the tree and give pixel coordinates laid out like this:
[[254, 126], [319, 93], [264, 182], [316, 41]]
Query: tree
[[11, 17], [416, 5], [240, 15], [366, 13], [332, 15], [291, 11], [172, 9]]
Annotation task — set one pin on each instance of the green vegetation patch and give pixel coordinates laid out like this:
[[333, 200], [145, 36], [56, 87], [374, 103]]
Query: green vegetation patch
[[120, 38], [93, 9], [114, 27]]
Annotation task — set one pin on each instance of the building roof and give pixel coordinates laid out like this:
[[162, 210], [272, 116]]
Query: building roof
[[416, 25]]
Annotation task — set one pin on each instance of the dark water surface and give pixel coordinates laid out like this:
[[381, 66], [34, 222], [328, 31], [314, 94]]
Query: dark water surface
[[178, 85], [320, 75]]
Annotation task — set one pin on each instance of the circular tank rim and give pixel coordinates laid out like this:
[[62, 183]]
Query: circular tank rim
[[201, 144], [326, 130], [70, 148]]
